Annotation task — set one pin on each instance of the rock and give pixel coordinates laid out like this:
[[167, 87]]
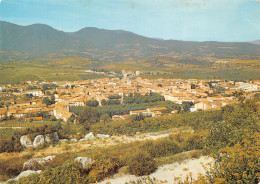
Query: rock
[[85, 161], [47, 138], [26, 141], [89, 136], [38, 141], [24, 174], [63, 140], [73, 140], [34, 162], [56, 137], [103, 136]]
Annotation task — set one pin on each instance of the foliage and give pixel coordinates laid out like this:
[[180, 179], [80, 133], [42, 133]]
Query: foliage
[[106, 163], [110, 102], [148, 98], [70, 172], [11, 167], [137, 117], [46, 100], [238, 163], [122, 109], [141, 163], [114, 96], [105, 118], [88, 116], [92, 103]]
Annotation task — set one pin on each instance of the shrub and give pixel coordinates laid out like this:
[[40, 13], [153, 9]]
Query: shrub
[[106, 163], [141, 163]]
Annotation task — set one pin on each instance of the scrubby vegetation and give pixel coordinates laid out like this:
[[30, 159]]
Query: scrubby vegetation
[[231, 135]]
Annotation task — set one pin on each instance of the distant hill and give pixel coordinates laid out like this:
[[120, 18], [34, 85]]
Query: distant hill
[[110, 45], [257, 42]]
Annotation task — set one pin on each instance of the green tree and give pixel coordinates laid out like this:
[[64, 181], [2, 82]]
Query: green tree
[[53, 99], [46, 100], [92, 103], [105, 118], [87, 117]]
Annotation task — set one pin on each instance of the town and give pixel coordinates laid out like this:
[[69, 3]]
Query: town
[[35, 100]]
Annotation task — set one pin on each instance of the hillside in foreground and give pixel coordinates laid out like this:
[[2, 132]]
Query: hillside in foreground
[[229, 135]]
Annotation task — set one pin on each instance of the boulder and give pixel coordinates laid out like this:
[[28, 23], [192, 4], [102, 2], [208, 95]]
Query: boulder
[[89, 136], [73, 140], [24, 174], [47, 138], [85, 161], [34, 162], [38, 141], [63, 140], [56, 137], [103, 136], [26, 141]]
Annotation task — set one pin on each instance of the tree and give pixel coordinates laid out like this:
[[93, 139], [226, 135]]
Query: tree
[[88, 116], [44, 88], [53, 99], [103, 102], [92, 103], [239, 95], [159, 85], [105, 118], [46, 100]]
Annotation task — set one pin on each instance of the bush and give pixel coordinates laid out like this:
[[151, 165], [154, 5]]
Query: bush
[[106, 163], [141, 163]]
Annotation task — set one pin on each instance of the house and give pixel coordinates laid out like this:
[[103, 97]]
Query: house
[[61, 111], [156, 111], [35, 92], [144, 112]]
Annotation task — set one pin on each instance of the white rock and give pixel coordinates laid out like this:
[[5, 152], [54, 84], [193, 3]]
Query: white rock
[[63, 140], [47, 138], [103, 136], [26, 141], [24, 174], [38, 141], [73, 140], [35, 161], [89, 136], [85, 161]]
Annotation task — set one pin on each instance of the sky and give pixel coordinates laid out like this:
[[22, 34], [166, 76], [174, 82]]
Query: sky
[[193, 20]]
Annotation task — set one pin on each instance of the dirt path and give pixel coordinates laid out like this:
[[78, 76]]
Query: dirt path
[[170, 173]]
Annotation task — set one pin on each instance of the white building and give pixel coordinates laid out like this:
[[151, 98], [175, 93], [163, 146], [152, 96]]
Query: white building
[[35, 92]]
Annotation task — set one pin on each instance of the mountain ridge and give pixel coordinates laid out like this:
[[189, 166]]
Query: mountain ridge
[[112, 45]]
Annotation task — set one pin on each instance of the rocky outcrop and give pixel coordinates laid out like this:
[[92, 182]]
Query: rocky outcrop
[[103, 136], [38, 141], [85, 161], [33, 163], [26, 141], [24, 174], [47, 138], [89, 136], [63, 140]]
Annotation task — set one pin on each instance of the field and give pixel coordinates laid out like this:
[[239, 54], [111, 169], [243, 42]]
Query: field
[[62, 68], [31, 72]]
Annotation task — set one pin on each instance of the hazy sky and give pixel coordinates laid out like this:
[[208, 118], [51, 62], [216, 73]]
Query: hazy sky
[[200, 20]]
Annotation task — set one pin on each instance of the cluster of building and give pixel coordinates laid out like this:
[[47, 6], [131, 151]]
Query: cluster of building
[[201, 93]]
